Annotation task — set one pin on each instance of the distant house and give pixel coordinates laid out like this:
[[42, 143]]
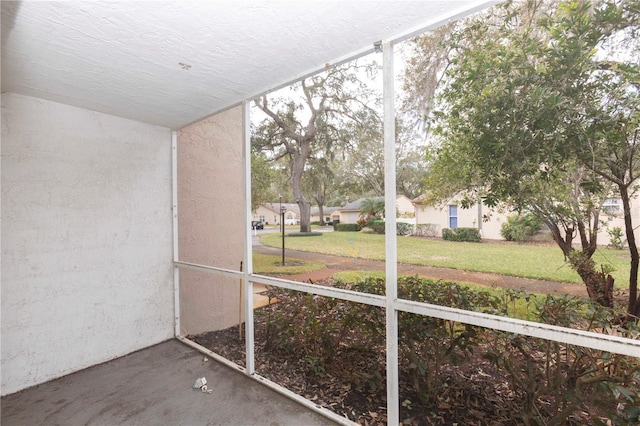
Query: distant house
[[404, 206], [329, 213], [269, 213], [350, 212], [452, 215], [434, 218], [266, 214]]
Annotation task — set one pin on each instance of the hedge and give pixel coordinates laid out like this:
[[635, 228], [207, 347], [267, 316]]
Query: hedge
[[347, 227], [461, 234], [402, 228]]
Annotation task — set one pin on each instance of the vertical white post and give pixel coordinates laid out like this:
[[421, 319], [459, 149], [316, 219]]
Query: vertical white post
[[391, 266], [248, 257], [176, 271]]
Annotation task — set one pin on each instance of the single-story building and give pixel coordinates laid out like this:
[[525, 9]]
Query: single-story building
[[451, 215], [329, 213], [489, 220], [269, 213], [350, 212]]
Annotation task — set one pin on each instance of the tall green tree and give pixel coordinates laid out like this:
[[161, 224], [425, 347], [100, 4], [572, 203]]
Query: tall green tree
[[262, 180], [545, 106], [319, 182], [320, 105]]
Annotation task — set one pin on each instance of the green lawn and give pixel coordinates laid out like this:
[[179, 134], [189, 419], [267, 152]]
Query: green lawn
[[530, 261], [268, 264]]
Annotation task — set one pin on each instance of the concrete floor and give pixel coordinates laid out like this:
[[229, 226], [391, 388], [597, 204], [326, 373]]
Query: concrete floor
[[154, 387]]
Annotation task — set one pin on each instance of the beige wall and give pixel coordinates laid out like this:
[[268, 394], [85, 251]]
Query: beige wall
[[270, 217], [211, 224], [404, 205], [491, 229], [467, 218], [349, 217]]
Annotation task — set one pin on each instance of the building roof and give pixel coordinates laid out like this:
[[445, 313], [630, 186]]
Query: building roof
[[291, 207], [326, 210]]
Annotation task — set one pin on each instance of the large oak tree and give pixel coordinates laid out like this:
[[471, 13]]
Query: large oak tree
[[538, 106]]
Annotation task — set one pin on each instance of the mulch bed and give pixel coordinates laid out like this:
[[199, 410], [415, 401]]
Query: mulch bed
[[353, 383]]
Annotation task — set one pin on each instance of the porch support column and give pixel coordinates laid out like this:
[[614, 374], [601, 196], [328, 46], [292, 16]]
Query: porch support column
[[391, 268], [174, 210], [247, 287]]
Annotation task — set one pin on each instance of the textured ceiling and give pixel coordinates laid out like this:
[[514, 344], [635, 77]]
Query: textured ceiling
[[125, 57]]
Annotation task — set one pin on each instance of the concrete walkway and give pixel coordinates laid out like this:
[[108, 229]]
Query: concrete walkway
[[154, 387], [336, 264]]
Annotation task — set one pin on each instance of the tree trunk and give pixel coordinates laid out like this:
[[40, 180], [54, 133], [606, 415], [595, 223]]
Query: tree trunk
[[305, 214], [321, 212], [633, 306], [599, 284], [299, 161]]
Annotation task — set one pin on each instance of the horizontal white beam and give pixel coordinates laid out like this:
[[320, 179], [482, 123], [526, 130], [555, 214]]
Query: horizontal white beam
[[587, 339], [338, 293], [204, 268]]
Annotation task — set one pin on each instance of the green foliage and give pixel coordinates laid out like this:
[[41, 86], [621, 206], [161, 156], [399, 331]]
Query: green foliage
[[378, 226], [371, 206], [549, 382], [520, 227], [616, 238], [262, 176], [554, 380], [403, 228], [367, 220], [539, 110], [461, 234], [427, 229], [346, 227], [426, 344]]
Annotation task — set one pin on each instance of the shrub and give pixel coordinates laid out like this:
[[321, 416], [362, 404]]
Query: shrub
[[616, 238], [427, 230], [549, 382], [367, 221], [461, 234], [520, 227], [552, 381], [347, 227], [378, 226], [335, 224], [403, 228], [315, 223]]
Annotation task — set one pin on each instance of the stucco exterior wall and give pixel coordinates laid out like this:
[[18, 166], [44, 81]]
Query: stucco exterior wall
[[211, 221], [270, 217], [86, 239], [491, 228], [349, 217], [467, 218], [404, 205]]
